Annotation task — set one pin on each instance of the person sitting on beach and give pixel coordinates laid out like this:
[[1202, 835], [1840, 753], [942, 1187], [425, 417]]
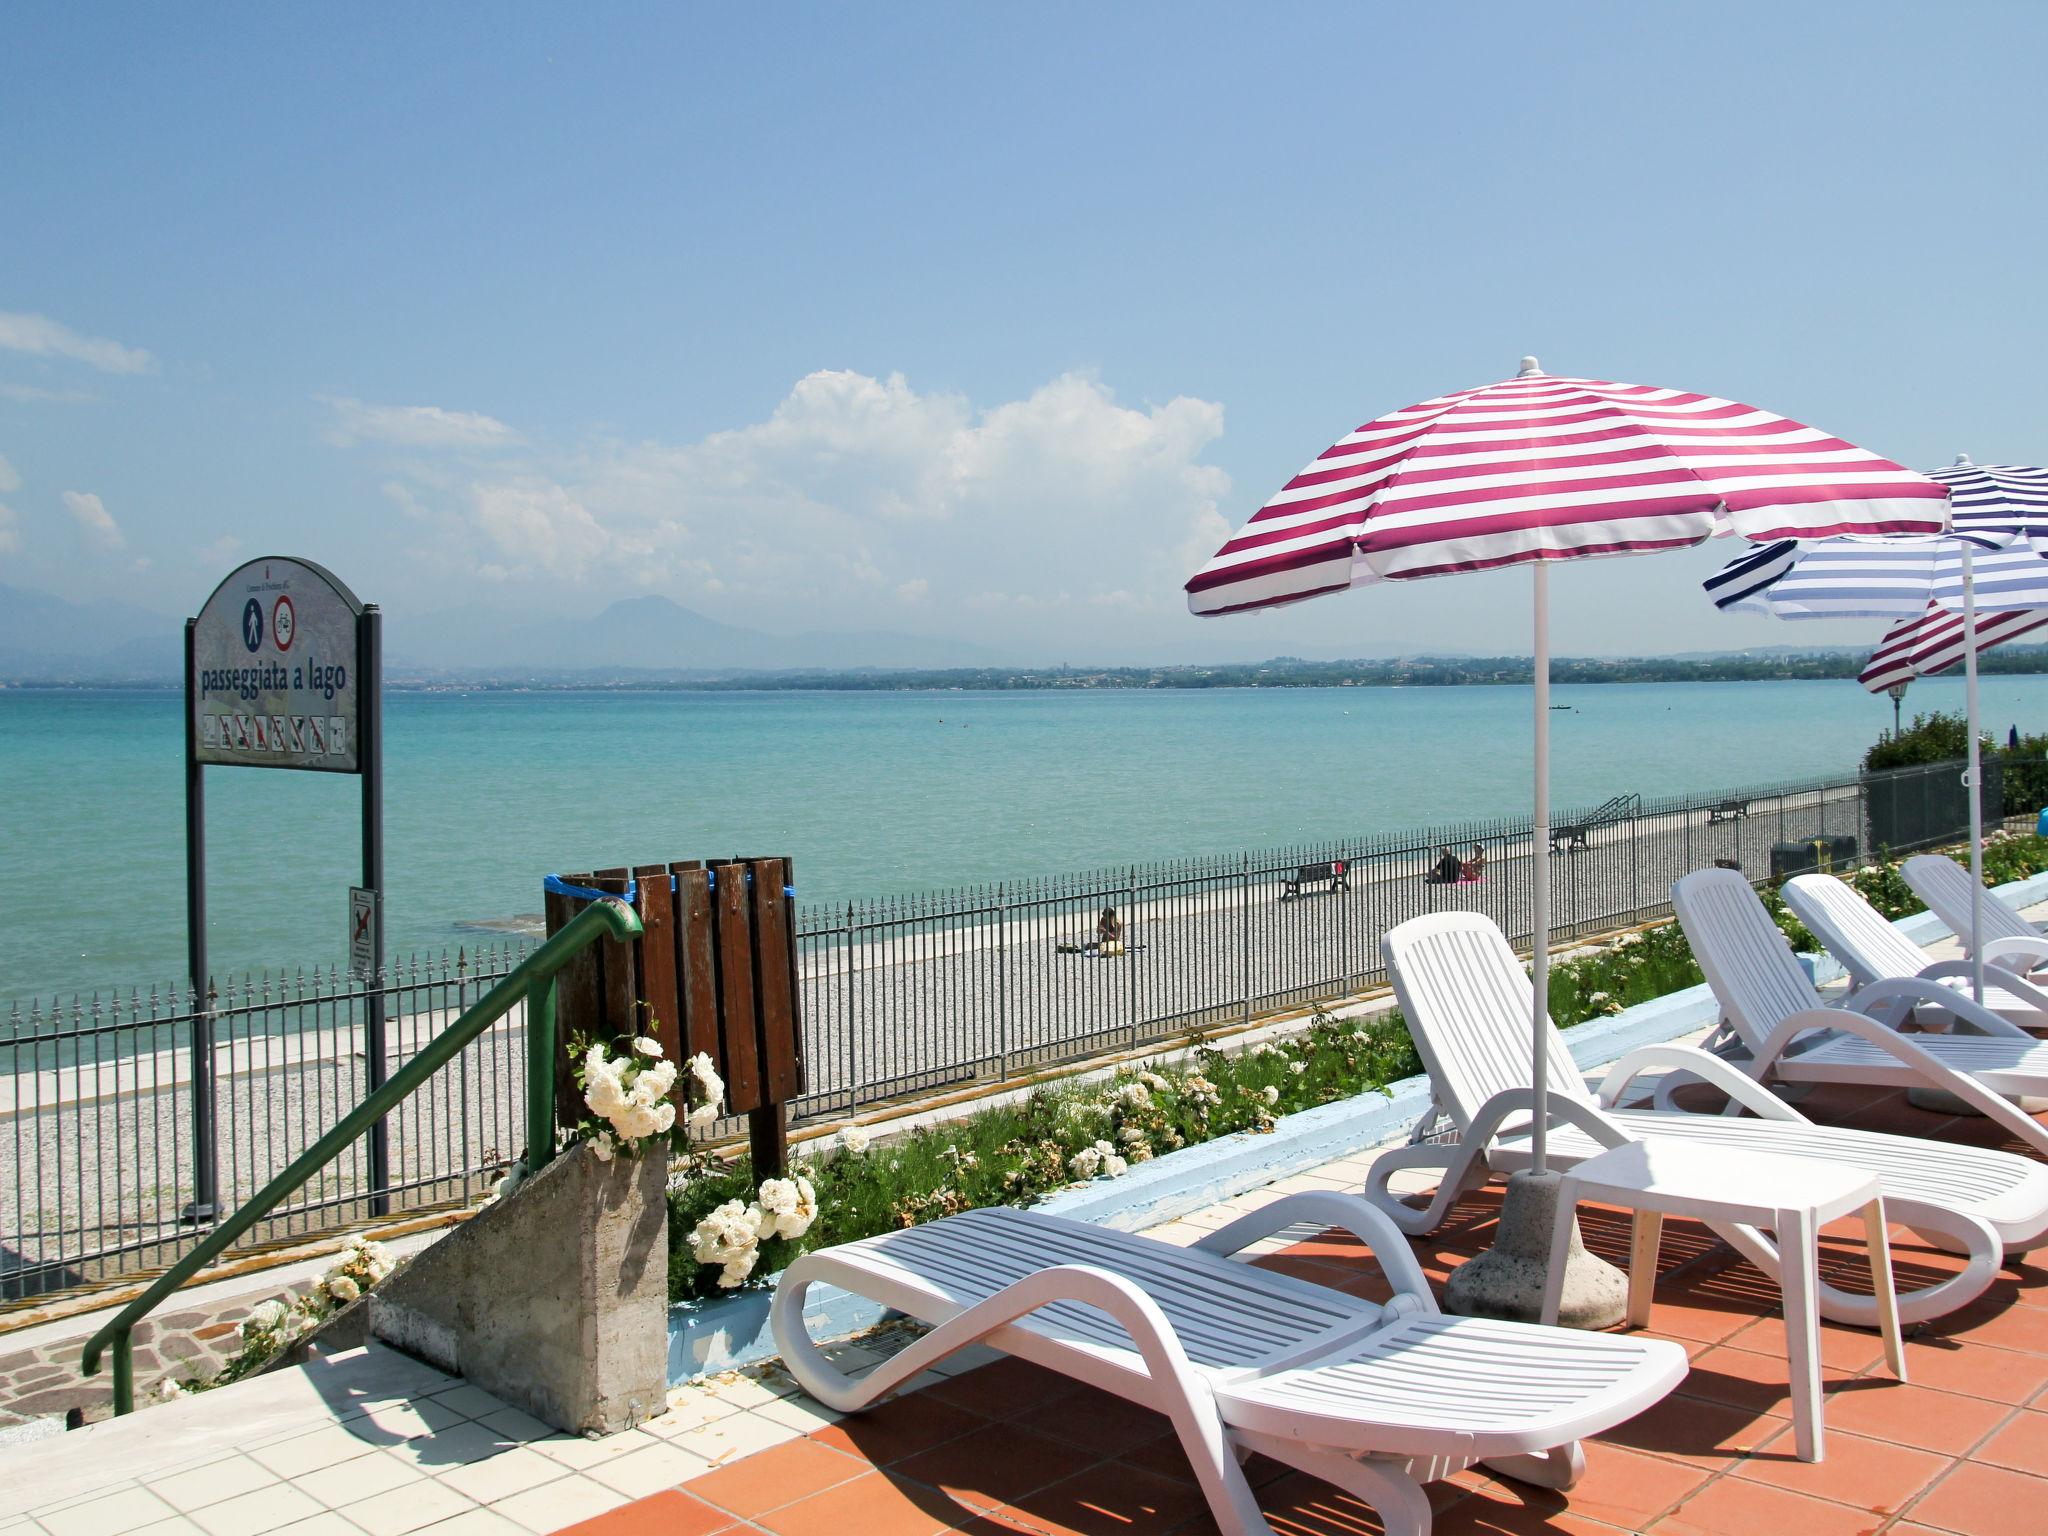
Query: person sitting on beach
[[1109, 933], [1447, 869], [1474, 866]]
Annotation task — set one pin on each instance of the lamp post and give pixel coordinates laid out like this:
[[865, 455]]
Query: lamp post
[[1898, 693]]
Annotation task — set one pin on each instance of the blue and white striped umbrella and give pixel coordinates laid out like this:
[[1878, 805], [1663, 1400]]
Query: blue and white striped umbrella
[[1994, 559]]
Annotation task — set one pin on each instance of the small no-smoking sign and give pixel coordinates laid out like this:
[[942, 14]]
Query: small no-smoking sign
[[362, 929]]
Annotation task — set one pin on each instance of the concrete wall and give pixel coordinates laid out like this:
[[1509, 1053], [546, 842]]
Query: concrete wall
[[555, 1298]]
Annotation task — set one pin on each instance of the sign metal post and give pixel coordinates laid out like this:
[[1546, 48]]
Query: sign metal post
[[283, 669]]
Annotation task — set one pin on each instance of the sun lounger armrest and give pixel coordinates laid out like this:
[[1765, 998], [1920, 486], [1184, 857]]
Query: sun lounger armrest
[[1938, 1073], [2016, 955], [2006, 981], [1741, 1088], [1968, 1010], [1325, 1208]]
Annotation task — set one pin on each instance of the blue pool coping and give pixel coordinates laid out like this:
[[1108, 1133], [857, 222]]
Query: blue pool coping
[[719, 1333]]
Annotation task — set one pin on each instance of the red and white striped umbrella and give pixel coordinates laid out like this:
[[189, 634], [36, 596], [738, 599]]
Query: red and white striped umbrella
[[1535, 469], [1933, 642], [1542, 468]]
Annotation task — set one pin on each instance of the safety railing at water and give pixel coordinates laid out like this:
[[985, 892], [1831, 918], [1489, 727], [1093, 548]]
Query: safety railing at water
[[531, 982], [900, 996]]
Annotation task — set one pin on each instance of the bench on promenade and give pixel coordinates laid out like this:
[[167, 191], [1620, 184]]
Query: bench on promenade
[[1333, 874], [1568, 835], [1728, 810]]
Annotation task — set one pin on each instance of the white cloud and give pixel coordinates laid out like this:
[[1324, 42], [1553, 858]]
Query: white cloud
[[413, 426], [10, 480], [29, 394], [857, 496], [40, 336], [95, 521], [10, 530], [219, 552]]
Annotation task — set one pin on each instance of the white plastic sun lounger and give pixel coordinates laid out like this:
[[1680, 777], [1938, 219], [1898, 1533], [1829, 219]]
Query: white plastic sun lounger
[[1788, 1034], [1467, 1001], [1872, 950], [2010, 941], [1377, 1399]]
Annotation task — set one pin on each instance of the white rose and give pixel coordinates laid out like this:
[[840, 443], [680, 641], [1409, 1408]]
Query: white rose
[[1298, 1068], [601, 1146], [777, 1195], [343, 1289], [168, 1389], [267, 1315], [1270, 1094], [855, 1139], [647, 1045], [1115, 1166]]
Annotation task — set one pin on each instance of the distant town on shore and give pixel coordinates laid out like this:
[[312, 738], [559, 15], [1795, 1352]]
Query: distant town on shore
[[1775, 665]]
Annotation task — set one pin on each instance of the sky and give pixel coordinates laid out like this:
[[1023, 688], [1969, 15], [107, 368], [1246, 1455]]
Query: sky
[[965, 321]]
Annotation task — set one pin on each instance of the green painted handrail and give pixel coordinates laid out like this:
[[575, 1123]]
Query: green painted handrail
[[534, 979]]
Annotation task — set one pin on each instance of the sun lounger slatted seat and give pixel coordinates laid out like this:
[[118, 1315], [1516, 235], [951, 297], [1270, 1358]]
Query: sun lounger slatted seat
[[1786, 1032], [1873, 950], [1377, 1399], [1467, 1001], [2009, 940]]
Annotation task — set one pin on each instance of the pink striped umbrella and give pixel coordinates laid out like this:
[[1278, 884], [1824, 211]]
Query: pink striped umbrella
[[1933, 642], [1535, 469]]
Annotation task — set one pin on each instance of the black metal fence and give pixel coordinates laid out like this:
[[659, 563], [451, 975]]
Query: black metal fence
[[900, 996]]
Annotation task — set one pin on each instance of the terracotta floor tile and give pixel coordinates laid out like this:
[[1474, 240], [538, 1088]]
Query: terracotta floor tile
[[1710, 1435], [1299, 1505], [1910, 1415], [996, 1464], [1985, 1501], [1975, 1370], [1339, 1246], [1098, 1421], [2022, 1445], [876, 1504], [999, 1390], [2000, 1324], [1676, 1313], [1314, 1270], [774, 1477], [1741, 1378], [1872, 1475], [1843, 1349], [668, 1513], [1105, 1500], [1731, 1506], [899, 1428], [1623, 1487]]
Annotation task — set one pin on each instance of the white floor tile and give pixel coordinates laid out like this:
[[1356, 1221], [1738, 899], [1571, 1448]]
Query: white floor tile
[[258, 1513], [472, 1401], [805, 1414], [464, 1443], [406, 1509], [649, 1471], [476, 1522], [112, 1514], [741, 1435], [576, 1452], [562, 1502], [356, 1480], [211, 1484], [514, 1424], [513, 1471]]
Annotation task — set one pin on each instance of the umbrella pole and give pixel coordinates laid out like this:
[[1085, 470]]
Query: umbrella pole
[[1976, 778], [1539, 877], [1510, 1279]]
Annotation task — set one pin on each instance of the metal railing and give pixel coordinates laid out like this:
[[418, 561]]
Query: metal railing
[[900, 996], [531, 983]]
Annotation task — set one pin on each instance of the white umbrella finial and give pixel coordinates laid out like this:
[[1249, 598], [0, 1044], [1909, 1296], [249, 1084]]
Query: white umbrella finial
[[1963, 460], [1531, 369]]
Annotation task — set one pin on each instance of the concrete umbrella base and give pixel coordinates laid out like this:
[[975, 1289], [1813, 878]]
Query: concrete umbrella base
[[1507, 1280]]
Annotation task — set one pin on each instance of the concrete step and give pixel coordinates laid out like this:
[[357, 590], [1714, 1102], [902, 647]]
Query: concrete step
[[86, 1464]]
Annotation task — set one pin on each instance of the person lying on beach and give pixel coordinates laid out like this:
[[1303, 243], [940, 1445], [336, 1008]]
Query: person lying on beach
[[1447, 869], [1474, 867]]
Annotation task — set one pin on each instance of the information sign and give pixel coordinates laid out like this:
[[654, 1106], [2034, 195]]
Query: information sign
[[274, 679]]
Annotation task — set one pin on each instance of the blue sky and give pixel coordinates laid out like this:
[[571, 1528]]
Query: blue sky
[[964, 321]]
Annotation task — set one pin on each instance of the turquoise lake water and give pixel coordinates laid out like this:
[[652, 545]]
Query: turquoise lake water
[[873, 794]]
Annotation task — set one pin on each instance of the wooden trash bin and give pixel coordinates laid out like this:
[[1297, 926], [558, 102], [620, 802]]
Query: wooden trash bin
[[713, 970]]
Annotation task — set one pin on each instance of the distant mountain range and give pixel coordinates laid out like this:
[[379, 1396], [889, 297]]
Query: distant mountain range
[[45, 639]]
